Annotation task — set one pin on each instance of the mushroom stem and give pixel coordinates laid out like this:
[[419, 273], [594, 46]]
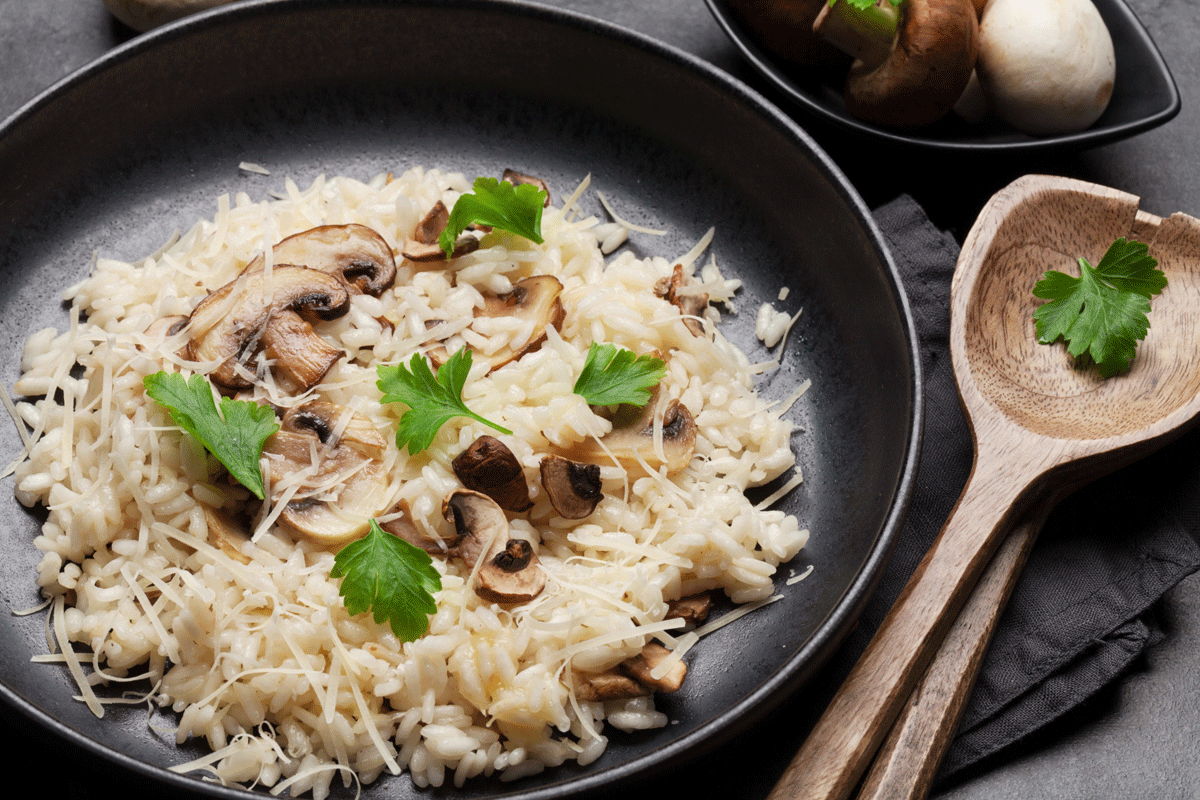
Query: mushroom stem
[[864, 33]]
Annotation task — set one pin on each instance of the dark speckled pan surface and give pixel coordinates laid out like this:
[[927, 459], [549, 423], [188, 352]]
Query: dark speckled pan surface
[[140, 143]]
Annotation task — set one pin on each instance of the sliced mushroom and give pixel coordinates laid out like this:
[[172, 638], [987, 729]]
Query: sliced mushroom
[[692, 610], [166, 327], [340, 491], [642, 665], [535, 299], [259, 309], [573, 488], [691, 306], [424, 246], [225, 533], [355, 253], [508, 568], [488, 466], [518, 178], [400, 523], [631, 440], [596, 687]]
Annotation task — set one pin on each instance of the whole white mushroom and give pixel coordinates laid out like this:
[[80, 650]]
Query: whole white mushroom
[[1046, 66]]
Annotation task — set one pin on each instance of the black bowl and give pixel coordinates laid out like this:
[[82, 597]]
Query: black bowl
[[141, 142], [1144, 95]]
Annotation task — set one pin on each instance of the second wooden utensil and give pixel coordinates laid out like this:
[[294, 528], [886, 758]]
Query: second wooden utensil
[[1039, 424]]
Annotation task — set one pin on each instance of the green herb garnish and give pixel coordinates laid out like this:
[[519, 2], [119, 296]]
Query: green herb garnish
[[388, 576], [1104, 311], [432, 401], [863, 5], [497, 204], [234, 433], [614, 375]]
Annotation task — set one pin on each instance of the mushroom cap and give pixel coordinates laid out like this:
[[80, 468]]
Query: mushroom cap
[[1047, 66], [489, 466], [641, 667], [398, 521], [355, 253], [535, 299], [424, 247], [631, 440], [927, 70], [691, 306], [268, 309], [225, 532], [508, 569], [344, 487], [574, 489]]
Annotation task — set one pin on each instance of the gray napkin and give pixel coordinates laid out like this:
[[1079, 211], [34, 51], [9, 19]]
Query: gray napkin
[[1078, 618]]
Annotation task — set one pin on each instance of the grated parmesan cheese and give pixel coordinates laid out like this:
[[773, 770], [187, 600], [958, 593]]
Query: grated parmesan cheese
[[261, 660]]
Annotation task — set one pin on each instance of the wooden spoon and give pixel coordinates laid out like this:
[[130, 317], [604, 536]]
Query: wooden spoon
[[1040, 426]]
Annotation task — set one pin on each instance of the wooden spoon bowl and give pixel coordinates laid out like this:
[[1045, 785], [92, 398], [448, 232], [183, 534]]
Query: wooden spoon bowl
[[1038, 224], [1042, 425]]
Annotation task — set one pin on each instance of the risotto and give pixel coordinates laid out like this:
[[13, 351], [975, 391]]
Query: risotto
[[158, 566]]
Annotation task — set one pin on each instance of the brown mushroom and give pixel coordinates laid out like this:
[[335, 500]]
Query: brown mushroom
[[424, 246], [691, 306], [225, 533], [398, 521], [631, 440], [596, 687], [574, 489], [518, 178], [508, 571], [692, 609], [488, 466], [166, 327], [355, 253], [633, 677], [273, 309], [344, 489], [641, 667], [536, 299], [915, 77]]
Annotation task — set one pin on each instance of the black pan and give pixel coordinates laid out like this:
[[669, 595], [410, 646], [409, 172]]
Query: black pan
[[140, 144]]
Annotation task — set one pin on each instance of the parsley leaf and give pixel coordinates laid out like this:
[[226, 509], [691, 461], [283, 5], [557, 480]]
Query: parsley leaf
[[498, 204], [386, 575], [1104, 311], [431, 401], [234, 434], [613, 375], [863, 5]]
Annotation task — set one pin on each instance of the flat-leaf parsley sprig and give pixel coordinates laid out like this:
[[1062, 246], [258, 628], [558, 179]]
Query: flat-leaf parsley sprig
[[497, 204], [234, 433], [391, 578], [1103, 312], [432, 401], [614, 375]]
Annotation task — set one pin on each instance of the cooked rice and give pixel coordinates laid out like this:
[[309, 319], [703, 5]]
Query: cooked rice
[[263, 660]]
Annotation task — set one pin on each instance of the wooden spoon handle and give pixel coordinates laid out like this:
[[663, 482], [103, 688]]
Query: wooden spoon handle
[[906, 765], [846, 737]]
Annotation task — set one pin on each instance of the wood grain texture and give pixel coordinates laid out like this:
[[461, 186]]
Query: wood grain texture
[[1039, 423], [907, 763]]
